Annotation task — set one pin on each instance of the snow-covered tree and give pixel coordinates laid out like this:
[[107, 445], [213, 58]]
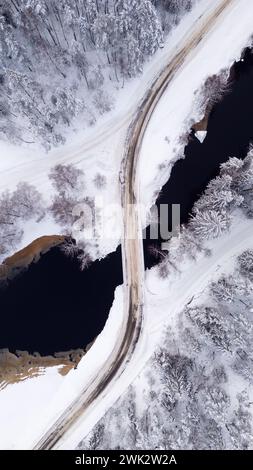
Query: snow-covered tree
[[209, 223], [240, 429], [10, 236], [99, 181], [214, 323], [102, 102], [70, 248], [27, 201], [214, 89], [232, 167], [62, 209], [216, 402], [23, 204], [76, 250], [224, 290], [170, 11], [97, 436], [245, 263], [219, 196], [175, 370], [83, 256], [67, 179]]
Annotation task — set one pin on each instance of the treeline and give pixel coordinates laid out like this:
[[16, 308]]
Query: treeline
[[57, 56], [213, 213]]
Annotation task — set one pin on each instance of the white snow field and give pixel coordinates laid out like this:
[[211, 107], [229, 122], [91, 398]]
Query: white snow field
[[20, 404], [101, 149]]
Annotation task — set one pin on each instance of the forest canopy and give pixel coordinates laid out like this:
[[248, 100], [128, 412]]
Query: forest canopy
[[59, 58]]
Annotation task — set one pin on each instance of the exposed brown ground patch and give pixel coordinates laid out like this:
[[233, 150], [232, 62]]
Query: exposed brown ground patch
[[30, 254], [22, 365], [203, 123]]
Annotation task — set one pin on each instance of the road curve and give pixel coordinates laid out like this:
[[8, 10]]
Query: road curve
[[132, 251]]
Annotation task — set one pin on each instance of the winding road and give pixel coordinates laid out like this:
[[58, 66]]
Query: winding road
[[132, 250]]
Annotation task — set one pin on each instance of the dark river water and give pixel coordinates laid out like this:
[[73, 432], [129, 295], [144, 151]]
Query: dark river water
[[53, 306]]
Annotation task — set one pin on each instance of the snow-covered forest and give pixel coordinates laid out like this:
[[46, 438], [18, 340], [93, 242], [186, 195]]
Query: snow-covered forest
[[62, 59], [196, 391]]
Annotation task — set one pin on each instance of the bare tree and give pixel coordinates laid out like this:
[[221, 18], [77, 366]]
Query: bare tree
[[27, 201], [245, 262], [214, 88], [76, 250], [23, 204], [69, 184], [62, 210], [99, 181], [70, 248], [67, 178], [84, 259], [156, 252], [102, 102]]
